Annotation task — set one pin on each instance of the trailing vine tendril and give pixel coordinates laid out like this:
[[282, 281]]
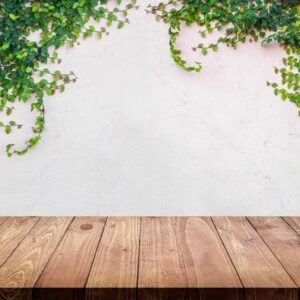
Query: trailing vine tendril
[[24, 75], [267, 21]]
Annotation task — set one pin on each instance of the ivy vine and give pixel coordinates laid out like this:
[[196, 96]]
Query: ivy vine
[[24, 71], [24, 75], [239, 21]]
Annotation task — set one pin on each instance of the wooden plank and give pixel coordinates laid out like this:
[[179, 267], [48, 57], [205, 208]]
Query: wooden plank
[[294, 222], [12, 232], [283, 241], [24, 266], [271, 294], [206, 261], [178, 258], [208, 266], [114, 271], [70, 265], [161, 268], [253, 260], [161, 263], [2, 219]]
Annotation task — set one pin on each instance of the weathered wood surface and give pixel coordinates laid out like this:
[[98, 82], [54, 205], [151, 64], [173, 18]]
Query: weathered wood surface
[[70, 264], [116, 261], [260, 271], [22, 269], [253, 260], [150, 258], [12, 232], [294, 222], [283, 241]]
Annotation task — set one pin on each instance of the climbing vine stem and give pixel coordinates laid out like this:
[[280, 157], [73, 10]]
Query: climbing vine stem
[[24, 60], [239, 21]]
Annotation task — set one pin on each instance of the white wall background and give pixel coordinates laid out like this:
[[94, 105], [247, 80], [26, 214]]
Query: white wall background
[[137, 136]]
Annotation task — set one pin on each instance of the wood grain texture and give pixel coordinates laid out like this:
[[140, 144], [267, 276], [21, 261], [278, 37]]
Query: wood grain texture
[[25, 265], [151, 258], [2, 219], [161, 262], [115, 268], [283, 241], [294, 222], [210, 267], [16, 294], [161, 270], [12, 232], [271, 294], [70, 264], [255, 263]]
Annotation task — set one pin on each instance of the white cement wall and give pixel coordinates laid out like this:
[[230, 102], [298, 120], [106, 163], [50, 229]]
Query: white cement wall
[[137, 136]]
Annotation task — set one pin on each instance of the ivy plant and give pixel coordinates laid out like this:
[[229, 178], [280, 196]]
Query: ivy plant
[[239, 21], [24, 61]]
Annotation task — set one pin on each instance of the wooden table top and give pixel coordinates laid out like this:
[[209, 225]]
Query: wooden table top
[[203, 258]]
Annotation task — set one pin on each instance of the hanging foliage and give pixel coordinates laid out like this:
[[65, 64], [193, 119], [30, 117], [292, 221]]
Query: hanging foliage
[[24, 71], [239, 21], [24, 75]]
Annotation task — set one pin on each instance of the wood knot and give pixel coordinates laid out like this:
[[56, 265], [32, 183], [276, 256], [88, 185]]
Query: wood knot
[[86, 226]]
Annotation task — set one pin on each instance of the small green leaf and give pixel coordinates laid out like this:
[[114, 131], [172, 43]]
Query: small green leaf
[[29, 70], [5, 46], [204, 51], [13, 17], [121, 25], [7, 129], [214, 48], [8, 111]]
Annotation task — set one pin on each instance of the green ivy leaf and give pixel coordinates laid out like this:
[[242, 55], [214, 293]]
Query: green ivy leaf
[[13, 17], [7, 129], [58, 23], [5, 46], [121, 25], [204, 51]]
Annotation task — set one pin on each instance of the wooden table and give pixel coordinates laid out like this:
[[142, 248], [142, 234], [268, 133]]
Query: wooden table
[[172, 258]]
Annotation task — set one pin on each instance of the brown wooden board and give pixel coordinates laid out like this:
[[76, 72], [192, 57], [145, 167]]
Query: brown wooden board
[[70, 265], [294, 222], [161, 270], [271, 294], [253, 260], [207, 264], [206, 261], [12, 232], [283, 241], [2, 219], [115, 268], [22, 269], [151, 258]]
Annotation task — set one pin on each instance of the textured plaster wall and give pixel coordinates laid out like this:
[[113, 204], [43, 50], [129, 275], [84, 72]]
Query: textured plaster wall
[[137, 136]]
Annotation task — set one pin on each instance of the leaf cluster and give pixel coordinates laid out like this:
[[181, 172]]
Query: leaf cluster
[[239, 21], [24, 60]]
